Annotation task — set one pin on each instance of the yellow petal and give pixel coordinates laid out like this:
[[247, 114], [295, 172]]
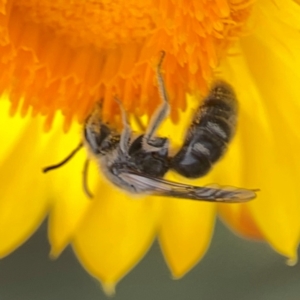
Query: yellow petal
[[240, 219], [69, 202], [116, 233], [268, 89], [59, 190], [185, 232], [23, 200]]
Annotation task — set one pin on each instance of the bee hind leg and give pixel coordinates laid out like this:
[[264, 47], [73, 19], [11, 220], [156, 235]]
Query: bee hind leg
[[126, 133]]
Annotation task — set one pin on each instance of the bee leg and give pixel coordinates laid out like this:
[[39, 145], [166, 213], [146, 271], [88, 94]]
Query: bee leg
[[84, 179], [126, 133], [163, 110]]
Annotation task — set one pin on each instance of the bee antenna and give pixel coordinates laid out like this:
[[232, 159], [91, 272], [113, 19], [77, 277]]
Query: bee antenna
[[85, 181], [49, 168]]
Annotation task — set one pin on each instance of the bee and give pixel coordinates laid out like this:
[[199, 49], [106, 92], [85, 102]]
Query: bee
[[138, 164]]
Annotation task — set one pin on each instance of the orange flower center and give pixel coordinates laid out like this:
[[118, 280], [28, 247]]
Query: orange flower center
[[67, 55]]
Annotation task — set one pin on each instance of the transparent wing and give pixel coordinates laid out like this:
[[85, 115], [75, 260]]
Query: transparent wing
[[161, 187]]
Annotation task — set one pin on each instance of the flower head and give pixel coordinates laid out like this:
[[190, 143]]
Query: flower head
[[64, 56]]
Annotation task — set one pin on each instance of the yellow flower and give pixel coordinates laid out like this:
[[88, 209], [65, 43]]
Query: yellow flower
[[63, 56]]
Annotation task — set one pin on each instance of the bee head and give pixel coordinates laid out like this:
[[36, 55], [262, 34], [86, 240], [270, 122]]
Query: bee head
[[100, 138]]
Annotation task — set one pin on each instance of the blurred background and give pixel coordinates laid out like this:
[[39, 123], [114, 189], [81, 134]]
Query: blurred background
[[233, 268]]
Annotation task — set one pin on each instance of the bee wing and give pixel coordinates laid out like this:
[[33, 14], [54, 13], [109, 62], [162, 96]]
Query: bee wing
[[166, 188]]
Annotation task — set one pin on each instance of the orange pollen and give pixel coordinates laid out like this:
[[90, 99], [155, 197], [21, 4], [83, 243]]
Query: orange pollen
[[67, 55]]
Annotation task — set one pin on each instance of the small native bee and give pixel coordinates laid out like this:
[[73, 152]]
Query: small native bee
[[138, 164]]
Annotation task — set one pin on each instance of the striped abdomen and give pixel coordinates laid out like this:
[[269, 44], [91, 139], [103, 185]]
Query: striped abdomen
[[211, 130]]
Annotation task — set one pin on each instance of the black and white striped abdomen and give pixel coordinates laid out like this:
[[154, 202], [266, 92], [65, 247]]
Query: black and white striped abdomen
[[211, 130]]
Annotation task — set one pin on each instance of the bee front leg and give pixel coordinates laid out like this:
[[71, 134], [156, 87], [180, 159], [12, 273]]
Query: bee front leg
[[162, 111]]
